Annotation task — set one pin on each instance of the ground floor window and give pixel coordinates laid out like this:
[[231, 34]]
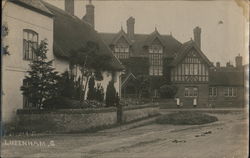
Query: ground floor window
[[212, 91], [230, 92], [191, 92]]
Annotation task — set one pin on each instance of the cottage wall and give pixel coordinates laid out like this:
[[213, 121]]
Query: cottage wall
[[17, 18]]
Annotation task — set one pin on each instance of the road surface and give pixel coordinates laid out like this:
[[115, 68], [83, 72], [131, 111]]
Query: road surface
[[226, 138]]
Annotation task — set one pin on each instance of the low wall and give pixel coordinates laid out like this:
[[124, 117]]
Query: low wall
[[63, 121], [78, 120]]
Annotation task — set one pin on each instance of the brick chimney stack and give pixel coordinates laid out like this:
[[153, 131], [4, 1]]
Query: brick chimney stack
[[197, 36], [69, 6], [131, 28], [238, 61], [90, 14]]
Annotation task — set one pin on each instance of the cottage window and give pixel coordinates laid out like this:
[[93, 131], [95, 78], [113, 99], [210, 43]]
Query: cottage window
[[191, 92], [230, 92], [212, 91], [30, 43], [155, 60]]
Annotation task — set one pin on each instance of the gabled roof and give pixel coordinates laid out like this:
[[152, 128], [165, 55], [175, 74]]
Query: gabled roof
[[72, 33], [154, 35], [120, 34], [35, 5], [128, 78], [226, 78], [171, 45], [185, 49]]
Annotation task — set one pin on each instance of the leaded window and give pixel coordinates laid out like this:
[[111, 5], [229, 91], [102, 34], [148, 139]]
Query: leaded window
[[212, 91], [155, 60], [121, 49], [191, 92]]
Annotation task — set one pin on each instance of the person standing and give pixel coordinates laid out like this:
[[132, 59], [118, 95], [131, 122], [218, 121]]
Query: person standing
[[177, 102], [195, 102]]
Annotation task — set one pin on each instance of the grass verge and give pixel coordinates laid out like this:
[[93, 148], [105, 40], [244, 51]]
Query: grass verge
[[186, 118]]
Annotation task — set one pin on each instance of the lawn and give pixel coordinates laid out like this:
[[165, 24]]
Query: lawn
[[186, 118]]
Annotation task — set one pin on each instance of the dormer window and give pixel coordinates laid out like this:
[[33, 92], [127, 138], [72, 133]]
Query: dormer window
[[155, 60], [121, 50], [155, 49]]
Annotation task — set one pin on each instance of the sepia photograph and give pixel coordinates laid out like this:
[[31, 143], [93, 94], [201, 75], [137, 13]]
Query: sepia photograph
[[125, 79]]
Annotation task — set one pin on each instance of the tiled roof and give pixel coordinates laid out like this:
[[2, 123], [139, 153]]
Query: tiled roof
[[226, 78], [35, 5], [140, 41], [72, 33], [181, 53]]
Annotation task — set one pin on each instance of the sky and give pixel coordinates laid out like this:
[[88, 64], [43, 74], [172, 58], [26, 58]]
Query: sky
[[224, 27]]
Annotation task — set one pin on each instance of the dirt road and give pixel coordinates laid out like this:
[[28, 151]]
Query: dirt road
[[226, 138]]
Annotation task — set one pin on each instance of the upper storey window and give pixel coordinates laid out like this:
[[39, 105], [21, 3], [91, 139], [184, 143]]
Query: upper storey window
[[121, 49], [30, 43], [156, 49], [155, 60]]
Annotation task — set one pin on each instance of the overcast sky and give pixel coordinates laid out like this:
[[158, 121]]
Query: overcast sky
[[220, 41]]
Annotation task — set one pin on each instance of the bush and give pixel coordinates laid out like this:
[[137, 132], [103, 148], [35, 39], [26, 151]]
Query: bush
[[61, 103], [168, 91], [186, 118], [110, 94], [66, 103]]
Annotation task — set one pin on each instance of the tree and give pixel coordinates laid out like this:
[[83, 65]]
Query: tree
[[42, 79], [91, 86], [168, 91], [99, 93], [67, 85], [110, 94]]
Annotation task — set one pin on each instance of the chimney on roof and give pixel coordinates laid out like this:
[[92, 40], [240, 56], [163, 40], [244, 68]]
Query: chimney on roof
[[217, 64], [197, 36], [90, 14], [131, 28], [238, 61], [69, 6]]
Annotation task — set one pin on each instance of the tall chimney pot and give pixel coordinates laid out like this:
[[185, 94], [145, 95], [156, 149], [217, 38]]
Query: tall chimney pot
[[131, 28], [238, 61], [90, 14], [69, 6], [197, 36]]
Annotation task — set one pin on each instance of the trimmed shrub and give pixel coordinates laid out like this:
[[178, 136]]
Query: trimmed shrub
[[186, 118], [91, 87], [168, 91], [110, 94]]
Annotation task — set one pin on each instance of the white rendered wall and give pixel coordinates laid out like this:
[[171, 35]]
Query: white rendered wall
[[14, 67]]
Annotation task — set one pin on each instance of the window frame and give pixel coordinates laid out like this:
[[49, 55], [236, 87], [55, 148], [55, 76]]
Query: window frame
[[233, 91], [156, 60], [191, 92], [30, 42], [214, 91]]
